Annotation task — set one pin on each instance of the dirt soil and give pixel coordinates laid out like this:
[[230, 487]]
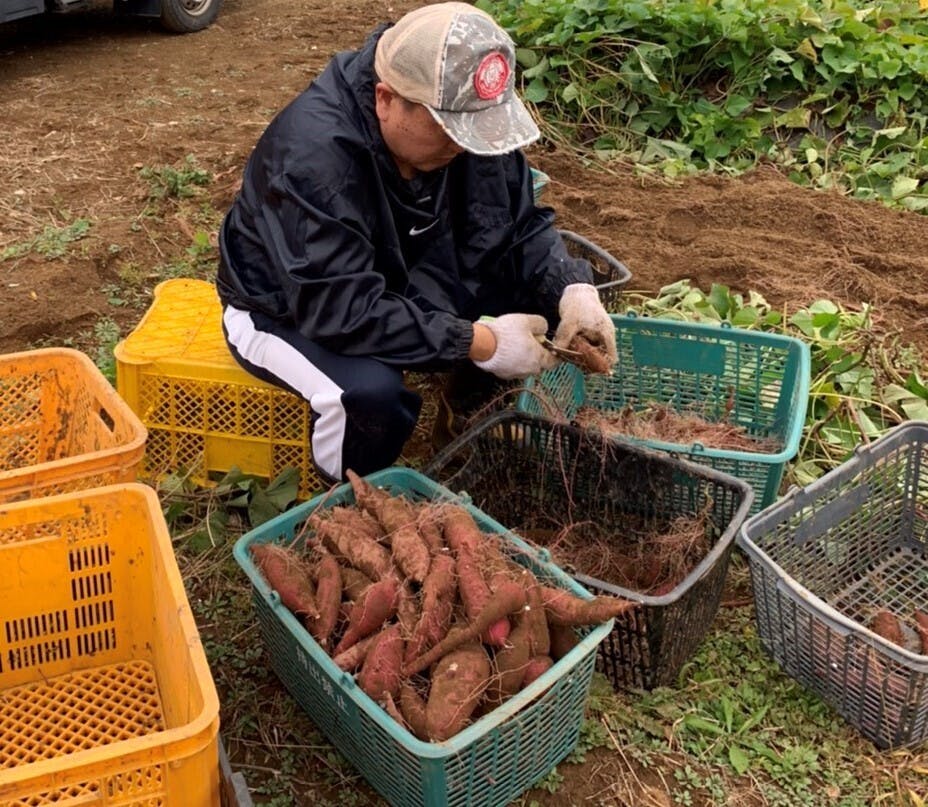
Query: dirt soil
[[89, 100]]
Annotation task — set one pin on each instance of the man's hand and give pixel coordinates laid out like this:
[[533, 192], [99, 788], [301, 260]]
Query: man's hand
[[518, 352], [582, 312]]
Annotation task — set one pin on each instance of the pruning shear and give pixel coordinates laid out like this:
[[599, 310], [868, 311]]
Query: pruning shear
[[560, 352]]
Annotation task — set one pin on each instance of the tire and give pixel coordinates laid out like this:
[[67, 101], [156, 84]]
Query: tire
[[185, 16]]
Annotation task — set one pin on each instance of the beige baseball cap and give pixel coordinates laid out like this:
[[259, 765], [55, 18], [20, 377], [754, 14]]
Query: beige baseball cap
[[455, 60]]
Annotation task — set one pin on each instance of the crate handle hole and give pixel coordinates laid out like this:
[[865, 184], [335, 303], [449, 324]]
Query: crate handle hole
[[107, 419]]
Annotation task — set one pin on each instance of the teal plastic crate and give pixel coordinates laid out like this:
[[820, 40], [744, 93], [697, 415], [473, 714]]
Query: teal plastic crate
[[492, 761], [757, 380]]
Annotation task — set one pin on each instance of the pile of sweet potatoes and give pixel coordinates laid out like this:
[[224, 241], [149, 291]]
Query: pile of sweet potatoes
[[436, 621]]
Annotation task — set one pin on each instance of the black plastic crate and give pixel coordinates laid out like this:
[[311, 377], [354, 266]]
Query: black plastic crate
[[610, 275], [526, 471], [825, 559]]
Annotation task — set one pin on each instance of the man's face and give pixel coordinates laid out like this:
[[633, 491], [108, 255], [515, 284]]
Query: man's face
[[412, 135]]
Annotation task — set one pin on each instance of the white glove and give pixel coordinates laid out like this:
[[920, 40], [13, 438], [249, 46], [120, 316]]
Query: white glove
[[582, 312], [518, 352]]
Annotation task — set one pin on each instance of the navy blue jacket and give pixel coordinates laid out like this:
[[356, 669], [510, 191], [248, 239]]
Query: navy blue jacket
[[326, 234]]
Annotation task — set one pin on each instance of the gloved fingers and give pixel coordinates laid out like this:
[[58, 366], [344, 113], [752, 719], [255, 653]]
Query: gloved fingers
[[537, 324], [566, 331], [548, 361], [519, 352]]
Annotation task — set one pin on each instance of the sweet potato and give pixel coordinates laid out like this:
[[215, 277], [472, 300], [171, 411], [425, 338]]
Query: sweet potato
[[459, 529], [407, 609], [590, 358], [410, 552], [398, 518], [509, 665], [439, 592], [563, 639], [391, 708], [374, 607], [507, 599], [428, 523], [380, 672], [921, 626], [412, 707], [359, 521], [286, 572], [458, 682], [564, 608], [352, 658], [358, 549], [354, 581], [328, 576], [886, 624], [537, 666], [466, 540], [533, 616]]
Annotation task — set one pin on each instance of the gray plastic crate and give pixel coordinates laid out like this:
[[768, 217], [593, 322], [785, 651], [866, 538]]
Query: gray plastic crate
[[825, 559]]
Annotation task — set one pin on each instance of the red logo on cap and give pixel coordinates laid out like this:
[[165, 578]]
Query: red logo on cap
[[491, 76]]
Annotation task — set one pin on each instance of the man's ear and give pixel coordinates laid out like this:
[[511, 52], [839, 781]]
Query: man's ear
[[383, 98]]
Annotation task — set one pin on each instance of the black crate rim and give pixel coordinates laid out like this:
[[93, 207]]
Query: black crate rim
[[622, 274]]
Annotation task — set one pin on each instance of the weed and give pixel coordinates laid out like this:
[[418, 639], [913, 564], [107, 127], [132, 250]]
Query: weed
[[551, 782], [105, 335], [52, 242], [168, 182]]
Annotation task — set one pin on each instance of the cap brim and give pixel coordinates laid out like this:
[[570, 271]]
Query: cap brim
[[495, 130]]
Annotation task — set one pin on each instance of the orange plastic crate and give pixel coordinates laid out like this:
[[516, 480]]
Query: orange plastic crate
[[204, 413], [106, 697], [62, 426]]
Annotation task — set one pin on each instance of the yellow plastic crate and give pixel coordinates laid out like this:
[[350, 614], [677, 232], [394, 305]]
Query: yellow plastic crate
[[204, 413], [62, 426], [106, 697]]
